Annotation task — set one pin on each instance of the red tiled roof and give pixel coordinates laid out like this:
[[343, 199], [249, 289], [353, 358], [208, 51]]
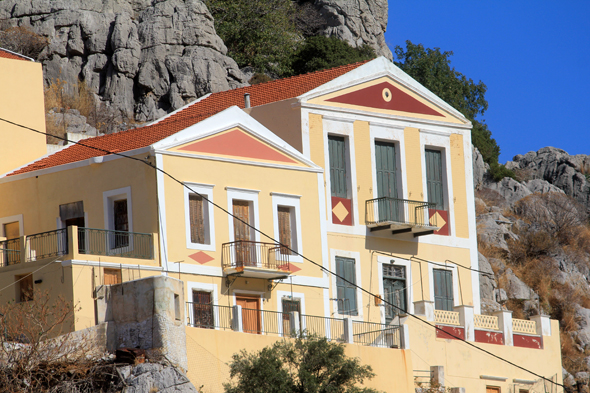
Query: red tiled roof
[[10, 55], [260, 94]]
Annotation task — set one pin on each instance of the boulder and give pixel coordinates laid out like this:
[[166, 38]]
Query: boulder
[[155, 377], [510, 189]]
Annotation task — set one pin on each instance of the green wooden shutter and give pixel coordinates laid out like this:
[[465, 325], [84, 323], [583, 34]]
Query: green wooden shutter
[[346, 293], [337, 152], [389, 209], [434, 178], [443, 289]]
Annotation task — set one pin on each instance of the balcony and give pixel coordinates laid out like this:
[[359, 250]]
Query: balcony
[[268, 261], [401, 216], [293, 324], [87, 241]]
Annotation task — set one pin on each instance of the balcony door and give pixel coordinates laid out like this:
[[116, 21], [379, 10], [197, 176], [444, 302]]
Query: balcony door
[[386, 171], [202, 310], [243, 234], [394, 290], [12, 245], [250, 313]]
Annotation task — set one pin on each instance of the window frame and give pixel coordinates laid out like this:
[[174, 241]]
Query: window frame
[[359, 294], [241, 194], [292, 202], [288, 295], [208, 210], [202, 287], [456, 290], [109, 198], [444, 179]]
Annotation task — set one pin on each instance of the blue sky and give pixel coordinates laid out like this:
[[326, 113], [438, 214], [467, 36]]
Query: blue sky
[[534, 57]]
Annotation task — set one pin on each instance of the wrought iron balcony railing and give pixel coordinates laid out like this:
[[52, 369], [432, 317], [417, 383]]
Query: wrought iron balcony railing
[[243, 254], [386, 210]]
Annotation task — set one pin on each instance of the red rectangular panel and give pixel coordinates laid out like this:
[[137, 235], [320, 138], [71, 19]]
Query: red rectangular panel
[[444, 331], [442, 221], [341, 211], [521, 340], [484, 336]]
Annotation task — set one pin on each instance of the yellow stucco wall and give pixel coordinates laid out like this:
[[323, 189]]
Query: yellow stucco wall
[[209, 351], [21, 102], [459, 188]]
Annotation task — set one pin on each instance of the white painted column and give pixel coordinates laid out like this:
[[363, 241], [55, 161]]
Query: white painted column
[[236, 323], [466, 318], [425, 308], [348, 333], [505, 324], [293, 324], [543, 324]]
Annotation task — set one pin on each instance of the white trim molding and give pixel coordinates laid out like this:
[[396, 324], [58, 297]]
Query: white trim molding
[[208, 220]]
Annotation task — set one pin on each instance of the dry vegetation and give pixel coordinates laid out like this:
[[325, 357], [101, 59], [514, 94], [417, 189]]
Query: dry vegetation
[[22, 40]]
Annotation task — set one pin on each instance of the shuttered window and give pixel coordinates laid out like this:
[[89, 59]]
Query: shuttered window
[[285, 235], [121, 223], [346, 293], [203, 310], [337, 152], [443, 289], [434, 178], [197, 218]]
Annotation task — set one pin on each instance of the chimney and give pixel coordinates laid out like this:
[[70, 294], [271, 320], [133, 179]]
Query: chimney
[[246, 100]]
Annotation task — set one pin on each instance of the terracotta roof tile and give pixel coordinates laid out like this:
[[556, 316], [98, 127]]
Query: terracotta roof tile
[[11, 55], [260, 94]]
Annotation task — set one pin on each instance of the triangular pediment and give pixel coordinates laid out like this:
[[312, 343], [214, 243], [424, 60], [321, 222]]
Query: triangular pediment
[[387, 96], [238, 144]]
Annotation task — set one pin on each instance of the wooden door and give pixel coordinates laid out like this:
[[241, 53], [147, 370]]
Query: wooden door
[[434, 178], [386, 181], [250, 313], [245, 248], [492, 389]]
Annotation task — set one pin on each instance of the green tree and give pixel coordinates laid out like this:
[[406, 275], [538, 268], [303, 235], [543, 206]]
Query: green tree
[[303, 365], [319, 53], [258, 33], [432, 68]]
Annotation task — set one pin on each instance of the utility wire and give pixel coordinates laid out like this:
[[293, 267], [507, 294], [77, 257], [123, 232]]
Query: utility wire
[[291, 250]]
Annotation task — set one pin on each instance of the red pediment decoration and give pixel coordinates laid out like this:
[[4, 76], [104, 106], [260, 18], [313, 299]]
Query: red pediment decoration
[[385, 96], [237, 143]]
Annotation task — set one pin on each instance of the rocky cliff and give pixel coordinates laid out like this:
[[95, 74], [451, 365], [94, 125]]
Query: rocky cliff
[[534, 241], [146, 58]]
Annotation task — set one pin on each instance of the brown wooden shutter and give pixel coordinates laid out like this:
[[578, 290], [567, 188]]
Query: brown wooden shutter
[[197, 219], [284, 214], [112, 276]]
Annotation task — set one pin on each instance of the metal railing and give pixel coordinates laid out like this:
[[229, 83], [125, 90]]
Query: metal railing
[[253, 254], [263, 321], [115, 243], [46, 245], [376, 334], [386, 210], [489, 322], [331, 328], [524, 326], [447, 317], [9, 252], [209, 316]]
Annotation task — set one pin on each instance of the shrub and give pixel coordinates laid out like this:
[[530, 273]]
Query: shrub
[[23, 40]]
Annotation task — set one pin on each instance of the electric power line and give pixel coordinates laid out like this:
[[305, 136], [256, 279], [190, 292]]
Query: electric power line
[[291, 250]]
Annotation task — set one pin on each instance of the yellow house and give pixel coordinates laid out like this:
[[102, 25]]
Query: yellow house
[[338, 203]]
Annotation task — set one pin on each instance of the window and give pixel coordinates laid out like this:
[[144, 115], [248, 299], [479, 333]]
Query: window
[[177, 307], [287, 225], [338, 170], [202, 310], [390, 208], [289, 306], [244, 234], [24, 287], [112, 276], [285, 231], [346, 292], [200, 231], [434, 178], [443, 289], [394, 290], [492, 389], [121, 223], [196, 218], [117, 210]]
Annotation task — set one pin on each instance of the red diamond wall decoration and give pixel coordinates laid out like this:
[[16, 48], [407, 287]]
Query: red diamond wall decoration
[[201, 257]]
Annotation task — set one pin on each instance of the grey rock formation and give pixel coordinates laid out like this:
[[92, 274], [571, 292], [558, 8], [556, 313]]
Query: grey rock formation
[[557, 167], [155, 377], [143, 57], [510, 189], [479, 168], [487, 286], [71, 121], [357, 22], [495, 229]]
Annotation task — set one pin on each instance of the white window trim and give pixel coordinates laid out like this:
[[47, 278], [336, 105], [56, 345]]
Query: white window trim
[[442, 143], [385, 260], [243, 195], [293, 203], [9, 219], [108, 198], [207, 191], [395, 136], [291, 296], [453, 268], [203, 287], [359, 294], [345, 129]]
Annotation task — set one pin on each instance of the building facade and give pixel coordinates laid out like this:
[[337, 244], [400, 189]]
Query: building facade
[[337, 203]]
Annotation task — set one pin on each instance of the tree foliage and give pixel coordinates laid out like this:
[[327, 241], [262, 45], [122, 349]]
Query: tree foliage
[[319, 53], [258, 33], [432, 68], [302, 365]]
